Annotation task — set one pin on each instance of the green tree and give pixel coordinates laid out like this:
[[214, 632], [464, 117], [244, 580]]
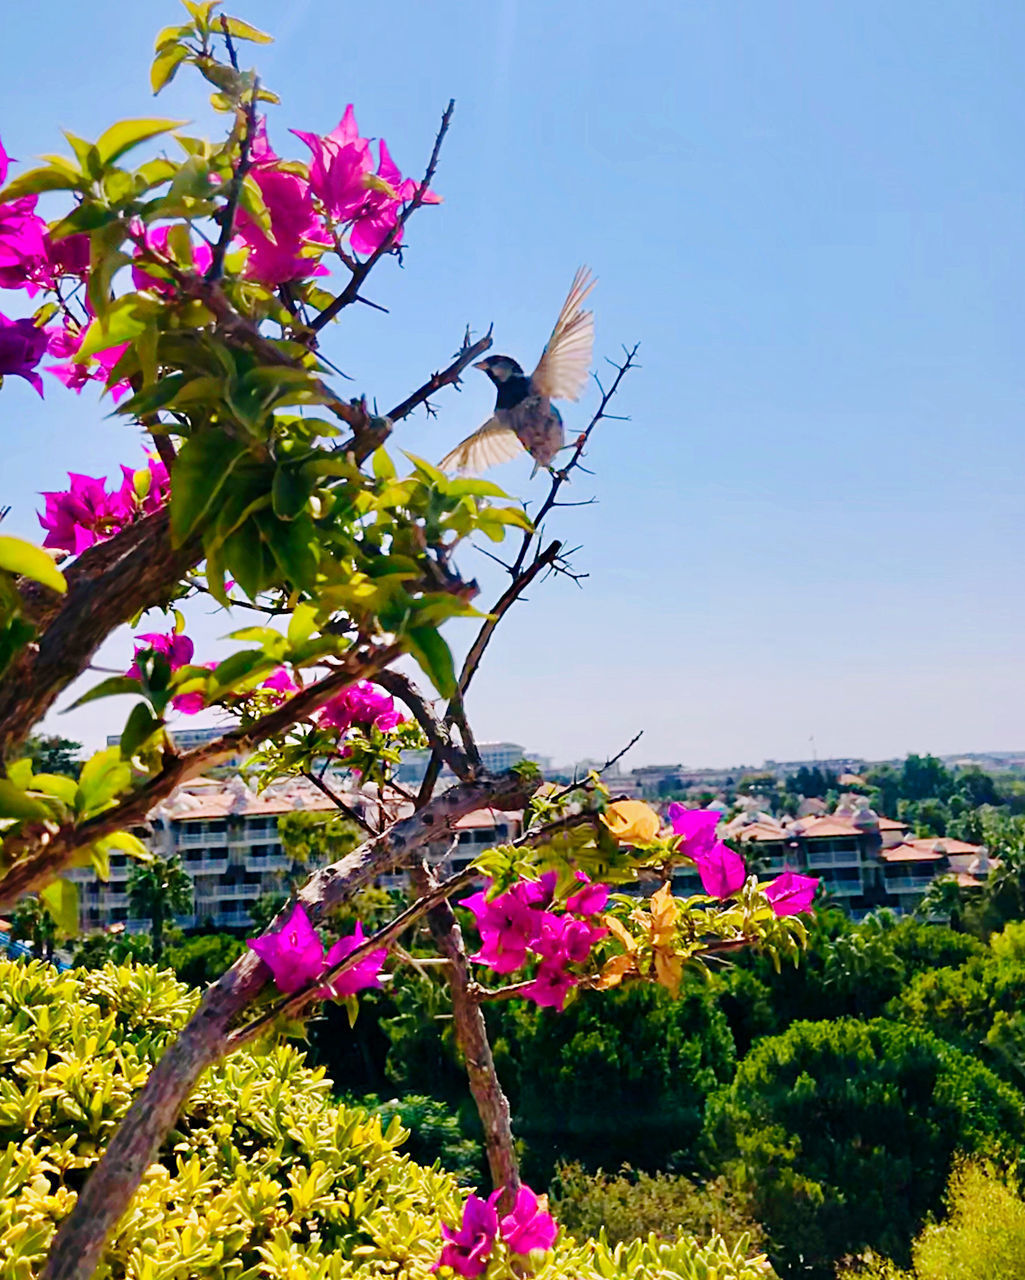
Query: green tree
[[31, 922], [159, 890], [50, 753], [202, 959], [843, 1133]]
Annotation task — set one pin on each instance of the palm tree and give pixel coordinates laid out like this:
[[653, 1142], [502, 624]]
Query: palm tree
[[159, 890], [31, 921]]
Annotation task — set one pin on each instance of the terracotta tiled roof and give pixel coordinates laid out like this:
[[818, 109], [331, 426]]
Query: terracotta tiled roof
[[910, 853], [484, 818], [761, 832], [967, 881], [819, 828], [892, 824]]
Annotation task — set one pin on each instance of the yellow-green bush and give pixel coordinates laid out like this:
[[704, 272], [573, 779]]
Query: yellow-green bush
[[264, 1177], [981, 1237]]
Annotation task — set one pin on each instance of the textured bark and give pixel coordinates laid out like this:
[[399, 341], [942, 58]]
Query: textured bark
[[472, 1037], [79, 1243], [107, 585]]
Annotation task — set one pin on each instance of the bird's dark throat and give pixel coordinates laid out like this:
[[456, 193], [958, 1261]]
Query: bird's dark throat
[[512, 391]]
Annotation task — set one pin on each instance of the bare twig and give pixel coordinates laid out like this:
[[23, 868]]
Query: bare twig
[[336, 799], [360, 270], [216, 268], [405, 690], [467, 353]]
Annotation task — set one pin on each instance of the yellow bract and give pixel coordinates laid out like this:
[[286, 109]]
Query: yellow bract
[[632, 821]]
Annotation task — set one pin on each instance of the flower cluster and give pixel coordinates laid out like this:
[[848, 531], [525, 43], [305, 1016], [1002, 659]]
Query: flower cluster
[[176, 649], [527, 1228], [88, 512], [722, 869], [295, 956], [361, 704], [518, 924]]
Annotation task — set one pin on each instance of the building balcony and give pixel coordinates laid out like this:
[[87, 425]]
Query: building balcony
[[274, 863], [196, 835], [843, 888], [206, 866]]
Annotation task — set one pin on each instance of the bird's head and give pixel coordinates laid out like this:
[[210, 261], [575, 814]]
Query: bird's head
[[500, 368]]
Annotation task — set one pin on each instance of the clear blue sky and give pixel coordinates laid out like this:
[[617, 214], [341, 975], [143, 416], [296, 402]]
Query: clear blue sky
[[811, 217]]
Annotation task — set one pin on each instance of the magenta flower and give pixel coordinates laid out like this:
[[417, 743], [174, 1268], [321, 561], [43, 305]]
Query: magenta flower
[[552, 984], [294, 954], [508, 927], [722, 871], [565, 940], [791, 894], [529, 1226], [69, 256], [84, 514], [340, 161], [589, 900], [22, 346], [156, 243], [363, 974], [23, 258], [189, 704], [696, 827], [294, 227], [362, 703], [467, 1250], [156, 495], [64, 344], [5, 160], [279, 681], [176, 649]]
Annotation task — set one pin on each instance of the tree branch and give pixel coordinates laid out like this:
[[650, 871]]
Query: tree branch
[[465, 356], [405, 690], [216, 269], [106, 1195]]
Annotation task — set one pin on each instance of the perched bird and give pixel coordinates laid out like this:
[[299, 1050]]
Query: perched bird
[[524, 416]]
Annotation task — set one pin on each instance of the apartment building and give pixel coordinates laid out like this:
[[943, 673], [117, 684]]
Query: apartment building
[[865, 860], [226, 836]]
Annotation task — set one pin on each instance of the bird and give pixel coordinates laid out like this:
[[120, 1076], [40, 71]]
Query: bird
[[524, 416]]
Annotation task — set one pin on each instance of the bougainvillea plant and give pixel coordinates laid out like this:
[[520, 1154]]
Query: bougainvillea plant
[[192, 283]]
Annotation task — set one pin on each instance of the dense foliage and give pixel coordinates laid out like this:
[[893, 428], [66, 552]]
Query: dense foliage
[[263, 1175]]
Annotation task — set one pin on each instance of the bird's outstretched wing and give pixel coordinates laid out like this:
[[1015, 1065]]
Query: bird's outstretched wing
[[487, 447], [565, 361]]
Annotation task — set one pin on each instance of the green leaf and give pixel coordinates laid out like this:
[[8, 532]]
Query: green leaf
[[121, 137], [203, 465], [428, 469], [123, 322], [56, 784], [384, 468], [127, 843], [35, 181], [61, 900], [165, 65], [28, 561], [291, 545], [243, 31], [433, 654], [104, 776], [140, 725], [15, 803], [290, 493], [301, 625], [107, 689]]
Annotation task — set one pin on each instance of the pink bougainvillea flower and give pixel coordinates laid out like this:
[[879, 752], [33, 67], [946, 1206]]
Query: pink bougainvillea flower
[[23, 258], [5, 160], [84, 514], [156, 491], [467, 1249], [363, 974], [508, 927], [722, 871], [340, 161], [69, 256], [530, 1226], [294, 954], [362, 703], [590, 899], [22, 346], [791, 893], [64, 344], [552, 984], [565, 940], [156, 242], [294, 226], [696, 827], [189, 704], [280, 681], [175, 648]]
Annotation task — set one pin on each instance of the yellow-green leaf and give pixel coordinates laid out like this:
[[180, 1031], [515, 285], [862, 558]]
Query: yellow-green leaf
[[26, 560], [61, 900], [121, 137]]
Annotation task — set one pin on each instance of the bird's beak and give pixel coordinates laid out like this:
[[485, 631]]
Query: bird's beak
[[482, 365]]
